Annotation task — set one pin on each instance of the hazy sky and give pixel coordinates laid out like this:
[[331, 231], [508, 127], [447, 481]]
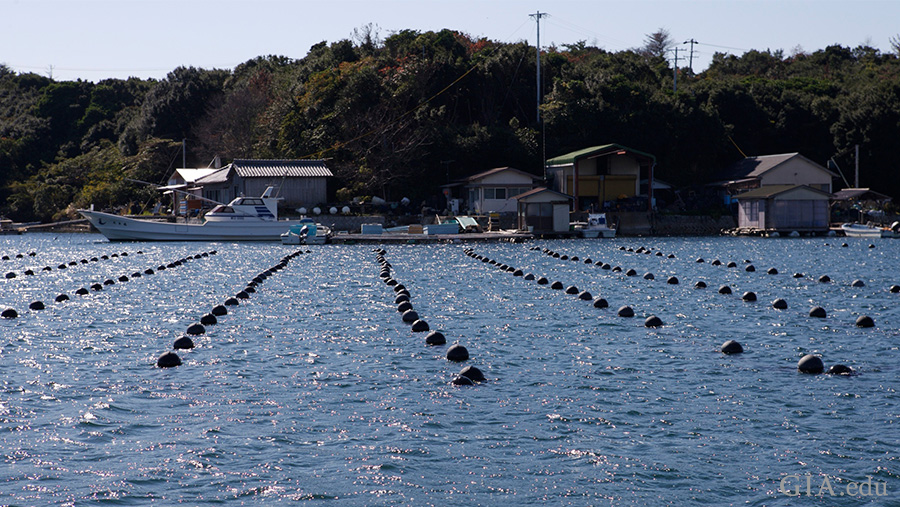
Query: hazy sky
[[97, 39]]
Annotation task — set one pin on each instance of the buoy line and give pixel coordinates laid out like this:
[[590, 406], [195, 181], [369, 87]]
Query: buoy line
[[39, 305], [731, 346], [171, 359], [457, 353]]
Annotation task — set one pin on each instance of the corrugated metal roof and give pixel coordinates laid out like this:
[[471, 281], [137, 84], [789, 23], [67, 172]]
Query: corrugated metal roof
[[754, 167], [860, 194], [540, 190], [570, 158], [769, 191], [220, 176], [281, 168], [500, 170]]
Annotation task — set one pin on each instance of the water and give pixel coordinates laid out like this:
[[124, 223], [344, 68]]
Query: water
[[315, 390]]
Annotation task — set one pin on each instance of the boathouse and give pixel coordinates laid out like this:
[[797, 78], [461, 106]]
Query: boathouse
[[783, 208], [606, 177], [297, 182], [543, 211]]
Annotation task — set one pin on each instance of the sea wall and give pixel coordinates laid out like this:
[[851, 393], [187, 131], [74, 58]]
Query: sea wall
[[351, 223], [652, 224]]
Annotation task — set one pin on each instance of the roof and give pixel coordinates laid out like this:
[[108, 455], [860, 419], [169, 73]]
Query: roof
[[263, 168], [220, 176], [754, 167], [859, 194], [191, 175], [496, 170], [769, 191], [540, 190], [595, 151]]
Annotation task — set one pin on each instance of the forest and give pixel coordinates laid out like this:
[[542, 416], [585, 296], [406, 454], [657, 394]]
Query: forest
[[400, 115]]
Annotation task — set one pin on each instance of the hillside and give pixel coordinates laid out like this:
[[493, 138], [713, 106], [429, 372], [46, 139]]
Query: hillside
[[398, 117]]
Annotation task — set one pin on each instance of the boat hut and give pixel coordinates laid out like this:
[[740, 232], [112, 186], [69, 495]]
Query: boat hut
[[601, 176], [783, 208], [297, 182], [543, 211]]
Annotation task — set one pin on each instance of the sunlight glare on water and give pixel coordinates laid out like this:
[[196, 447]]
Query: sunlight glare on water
[[314, 388]]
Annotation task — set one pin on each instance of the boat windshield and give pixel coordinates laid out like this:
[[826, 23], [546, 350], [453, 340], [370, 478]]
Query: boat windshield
[[249, 201], [222, 209]]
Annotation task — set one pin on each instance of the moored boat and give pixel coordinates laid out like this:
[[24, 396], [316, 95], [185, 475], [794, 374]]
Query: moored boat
[[307, 232], [243, 219], [595, 227], [869, 230]]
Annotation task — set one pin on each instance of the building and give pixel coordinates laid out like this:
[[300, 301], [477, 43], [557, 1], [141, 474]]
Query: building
[[785, 169], [604, 177], [298, 182], [492, 191], [543, 211], [858, 205], [784, 208]]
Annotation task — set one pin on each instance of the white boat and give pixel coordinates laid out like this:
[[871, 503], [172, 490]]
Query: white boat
[[306, 232], [869, 230], [243, 219], [595, 227]]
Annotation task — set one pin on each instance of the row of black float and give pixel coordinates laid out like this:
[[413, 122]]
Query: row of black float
[[11, 313], [750, 268], [171, 359], [30, 272], [749, 296], [807, 364], [18, 256], [456, 353], [598, 302]]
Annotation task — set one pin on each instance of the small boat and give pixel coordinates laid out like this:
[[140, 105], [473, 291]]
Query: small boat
[[243, 219], [595, 227], [306, 232], [870, 230]]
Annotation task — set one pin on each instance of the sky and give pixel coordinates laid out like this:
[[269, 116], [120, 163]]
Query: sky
[[99, 39]]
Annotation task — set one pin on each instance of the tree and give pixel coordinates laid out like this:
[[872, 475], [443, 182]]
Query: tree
[[657, 43]]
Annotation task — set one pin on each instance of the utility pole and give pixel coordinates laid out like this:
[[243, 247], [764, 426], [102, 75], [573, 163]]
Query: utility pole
[[856, 158], [675, 74], [537, 17], [691, 58]]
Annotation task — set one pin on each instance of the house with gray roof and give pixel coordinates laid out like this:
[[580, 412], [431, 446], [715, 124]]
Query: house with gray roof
[[783, 169], [298, 182]]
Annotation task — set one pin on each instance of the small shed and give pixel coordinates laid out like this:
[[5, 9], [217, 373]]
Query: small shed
[[853, 204], [783, 208], [542, 210]]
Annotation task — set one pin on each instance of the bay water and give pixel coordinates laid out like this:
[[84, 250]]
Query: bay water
[[314, 390]]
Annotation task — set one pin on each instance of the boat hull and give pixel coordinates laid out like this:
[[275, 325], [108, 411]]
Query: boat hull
[[117, 228], [598, 233], [865, 231]]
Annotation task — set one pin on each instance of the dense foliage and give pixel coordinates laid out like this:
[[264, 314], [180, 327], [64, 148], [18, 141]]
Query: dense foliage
[[398, 117]]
